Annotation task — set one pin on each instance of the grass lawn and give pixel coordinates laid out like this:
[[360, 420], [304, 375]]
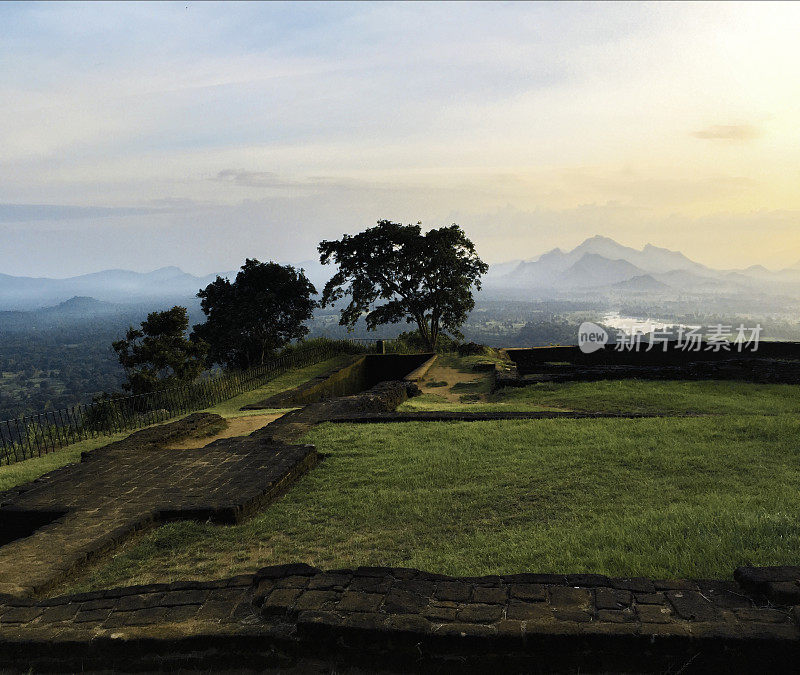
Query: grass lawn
[[709, 397], [662, 497], [289, 380], [29, 469], [706, 397], [491, 403]]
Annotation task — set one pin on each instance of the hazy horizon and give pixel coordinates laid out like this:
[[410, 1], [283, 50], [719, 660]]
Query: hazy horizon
[[138, 136], [315, 260]]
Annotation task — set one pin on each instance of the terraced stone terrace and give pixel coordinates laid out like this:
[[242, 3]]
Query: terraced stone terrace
[[571, 526]]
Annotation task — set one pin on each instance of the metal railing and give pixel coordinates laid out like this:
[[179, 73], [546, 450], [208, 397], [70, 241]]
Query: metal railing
[[35, 435]]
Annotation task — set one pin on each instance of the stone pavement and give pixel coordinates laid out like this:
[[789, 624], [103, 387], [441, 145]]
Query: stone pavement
[[52, 526], [85, 509], [295, 618]]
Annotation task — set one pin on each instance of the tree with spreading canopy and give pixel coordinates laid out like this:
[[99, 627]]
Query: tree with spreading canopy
[[425, 279], [260, 311], [158, 354]]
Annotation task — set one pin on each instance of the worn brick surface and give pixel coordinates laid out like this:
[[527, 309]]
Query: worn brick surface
[[692, 605], [612, 598], [532, 592], [479, 613], [454, 591], [391, 614], [490, 595], [135, 483]]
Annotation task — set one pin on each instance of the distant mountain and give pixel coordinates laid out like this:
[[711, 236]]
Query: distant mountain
[[117, 286], [602, 265], [159, 287], [548, 270], [641, 284], [502, 269], [81, 306], [687, 281], [593, 271], [77, 311], [650, 258]]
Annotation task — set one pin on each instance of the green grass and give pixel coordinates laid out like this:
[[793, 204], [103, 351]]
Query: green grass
[[639, 396], [289, 380], [29, 469], [434, 402], [710, 397], [661, 497]]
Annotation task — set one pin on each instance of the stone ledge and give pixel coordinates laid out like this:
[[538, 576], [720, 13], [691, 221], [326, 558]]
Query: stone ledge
[[401, 619], [780, 584], [760, 370]]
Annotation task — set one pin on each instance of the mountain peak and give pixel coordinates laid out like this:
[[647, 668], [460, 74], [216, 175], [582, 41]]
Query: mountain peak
[[169, 272], [79, 301], [80, 304], [552, 253], [601, 260], [643, 283]]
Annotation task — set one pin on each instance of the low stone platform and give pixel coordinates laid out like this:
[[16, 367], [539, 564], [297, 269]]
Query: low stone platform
[[382, 398], [360, 374], [758, 370], [295, 618], [53, 525]]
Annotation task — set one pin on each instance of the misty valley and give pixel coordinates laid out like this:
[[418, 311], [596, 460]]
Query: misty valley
[[55, 351]]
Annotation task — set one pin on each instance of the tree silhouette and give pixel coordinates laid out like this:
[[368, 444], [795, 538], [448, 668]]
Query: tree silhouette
[[425, 279], [159, 354], [259, 312]]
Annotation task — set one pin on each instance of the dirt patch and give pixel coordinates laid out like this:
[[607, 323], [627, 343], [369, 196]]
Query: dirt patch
[[237, 426], [458, 382]]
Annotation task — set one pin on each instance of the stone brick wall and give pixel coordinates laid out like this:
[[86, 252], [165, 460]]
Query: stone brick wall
[[531, 359], [768, 371], [296, 618], [361, 375]]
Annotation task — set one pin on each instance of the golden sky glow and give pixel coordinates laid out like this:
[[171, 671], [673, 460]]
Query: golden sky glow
[[255, 130]]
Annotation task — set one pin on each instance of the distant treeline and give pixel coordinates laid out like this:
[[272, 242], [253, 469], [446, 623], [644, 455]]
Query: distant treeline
[[54, 358], [63, 366], [59, 357]]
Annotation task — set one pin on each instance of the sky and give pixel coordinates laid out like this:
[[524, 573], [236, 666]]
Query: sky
[[139, 135]]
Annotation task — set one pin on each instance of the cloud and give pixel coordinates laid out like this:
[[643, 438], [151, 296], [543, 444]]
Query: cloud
[[728, 132], [270, 179], [243, 178], [227, 132], [20, 213]]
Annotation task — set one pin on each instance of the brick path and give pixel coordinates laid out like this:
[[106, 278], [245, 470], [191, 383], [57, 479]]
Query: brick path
[[395, 619], [83, 510], [132, 484]]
